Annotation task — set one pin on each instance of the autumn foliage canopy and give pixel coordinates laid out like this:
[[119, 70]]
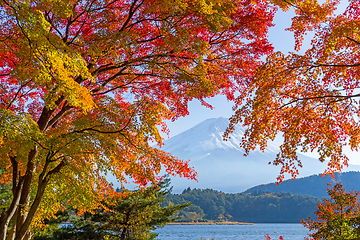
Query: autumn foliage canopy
[[309, 99], [86, 84]]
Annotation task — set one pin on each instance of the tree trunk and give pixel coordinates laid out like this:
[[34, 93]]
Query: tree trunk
[[23, 229], [11, 235], [28, 235], [21, 191], [24, 200], [124, 232], [3, 227], [21, 195], [7, 215]]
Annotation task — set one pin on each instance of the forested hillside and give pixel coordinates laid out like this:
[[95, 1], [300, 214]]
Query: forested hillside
[[314, 185], [254, 207]]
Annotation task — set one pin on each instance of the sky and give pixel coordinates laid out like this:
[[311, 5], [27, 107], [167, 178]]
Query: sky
[[282, 41]]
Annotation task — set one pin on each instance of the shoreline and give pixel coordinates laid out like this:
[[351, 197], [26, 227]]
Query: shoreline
[[210, 223]]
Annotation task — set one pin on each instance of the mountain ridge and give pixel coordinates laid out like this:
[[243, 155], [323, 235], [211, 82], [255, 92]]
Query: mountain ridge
[[313, 185], [221, 164]]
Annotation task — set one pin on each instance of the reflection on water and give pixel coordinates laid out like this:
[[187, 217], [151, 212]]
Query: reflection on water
[[224, 232]]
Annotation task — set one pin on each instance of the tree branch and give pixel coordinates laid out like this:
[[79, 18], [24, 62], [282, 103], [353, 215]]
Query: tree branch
[[341, 98], [59, 115], [132, 11]]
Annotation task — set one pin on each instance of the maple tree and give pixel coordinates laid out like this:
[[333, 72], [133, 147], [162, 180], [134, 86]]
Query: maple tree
[[311, 99], [84, 85], [337, 218]]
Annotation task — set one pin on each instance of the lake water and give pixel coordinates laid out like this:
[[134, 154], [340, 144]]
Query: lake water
[[225, 232]]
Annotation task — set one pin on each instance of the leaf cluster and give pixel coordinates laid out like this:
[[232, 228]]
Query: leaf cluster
[[309, 99], [337, 218]]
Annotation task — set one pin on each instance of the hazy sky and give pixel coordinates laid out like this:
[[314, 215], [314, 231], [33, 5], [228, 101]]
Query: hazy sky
[[282, 41]]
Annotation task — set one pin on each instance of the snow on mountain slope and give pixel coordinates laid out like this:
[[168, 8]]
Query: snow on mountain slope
[[205, 138], [221, 164]]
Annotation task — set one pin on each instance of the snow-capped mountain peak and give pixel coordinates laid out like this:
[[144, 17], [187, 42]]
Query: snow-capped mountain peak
[[208, 135], [221, 164]]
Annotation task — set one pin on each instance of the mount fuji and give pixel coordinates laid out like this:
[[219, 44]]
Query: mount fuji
[[222, 165]]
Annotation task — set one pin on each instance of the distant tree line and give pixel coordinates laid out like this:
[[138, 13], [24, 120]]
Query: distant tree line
[[258, 206]]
